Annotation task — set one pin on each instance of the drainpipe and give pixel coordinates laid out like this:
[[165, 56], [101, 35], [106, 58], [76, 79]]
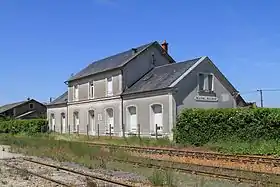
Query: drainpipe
[[123, 130], [67, 112]]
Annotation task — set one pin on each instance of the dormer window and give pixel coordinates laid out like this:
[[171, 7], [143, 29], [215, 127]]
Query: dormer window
[[91, 90], [109, 86], [205, 82], [76, 93]]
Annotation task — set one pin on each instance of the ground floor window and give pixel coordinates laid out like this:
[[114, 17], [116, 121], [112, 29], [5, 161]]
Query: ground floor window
[[63, 122], [157, 117], [132, 118], [91, 120], [76, 121], [52, 122], [109, 120]]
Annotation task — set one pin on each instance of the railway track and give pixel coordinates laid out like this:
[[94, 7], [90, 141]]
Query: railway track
[[103, 179], [88, 176], [236, 175], [275, 162], [38, 175]]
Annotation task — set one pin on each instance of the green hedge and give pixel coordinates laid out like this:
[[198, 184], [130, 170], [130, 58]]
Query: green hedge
[[200, 126], [31, 126]]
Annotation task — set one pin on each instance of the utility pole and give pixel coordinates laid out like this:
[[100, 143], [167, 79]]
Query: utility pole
[[261, 94]]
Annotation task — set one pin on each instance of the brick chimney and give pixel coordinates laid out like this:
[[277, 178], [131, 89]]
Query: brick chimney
[[164, 46]]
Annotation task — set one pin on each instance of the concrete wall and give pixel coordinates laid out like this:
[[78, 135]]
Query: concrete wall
[[99, 108], [139, 66], [143, 110], [99, 85], [187, 89], [57, 111]]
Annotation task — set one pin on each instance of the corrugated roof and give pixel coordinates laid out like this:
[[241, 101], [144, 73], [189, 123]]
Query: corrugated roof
[[7, 107], [109, 63], [161, 77]]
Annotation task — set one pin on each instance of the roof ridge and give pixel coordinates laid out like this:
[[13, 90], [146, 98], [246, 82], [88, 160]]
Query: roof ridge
[[125, 53], [178, 62]]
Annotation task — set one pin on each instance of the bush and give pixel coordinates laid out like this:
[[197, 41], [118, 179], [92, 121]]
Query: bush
[[23, 126], [200, 126]]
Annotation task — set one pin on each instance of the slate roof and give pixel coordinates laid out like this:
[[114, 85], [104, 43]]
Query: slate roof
[[7, 107], [160, 77], [109, 63], [61, 99]]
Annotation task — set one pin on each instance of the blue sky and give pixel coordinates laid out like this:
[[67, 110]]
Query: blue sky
[[43, 42]]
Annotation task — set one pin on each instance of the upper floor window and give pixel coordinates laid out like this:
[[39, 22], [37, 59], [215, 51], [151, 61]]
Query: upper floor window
[[205, 82], [91, 90], [76, 92], [109, 86], [31, 106]]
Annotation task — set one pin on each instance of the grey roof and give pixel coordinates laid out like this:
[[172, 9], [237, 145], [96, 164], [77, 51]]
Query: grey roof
[[61, 99], [161, 77], [7, 107], [112, 62]]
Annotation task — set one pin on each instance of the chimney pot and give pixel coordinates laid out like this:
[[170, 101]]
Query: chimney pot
[[164, 46]]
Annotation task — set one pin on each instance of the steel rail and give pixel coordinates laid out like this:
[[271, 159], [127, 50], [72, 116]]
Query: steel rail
[[204, 173], [38, 175], [196, 154], [80, 173]]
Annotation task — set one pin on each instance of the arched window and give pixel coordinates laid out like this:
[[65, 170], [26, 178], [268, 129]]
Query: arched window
[[52, 122], [76, 121], [157, 117], [91, 121], [132, 118], [63, 123], [109, 120]]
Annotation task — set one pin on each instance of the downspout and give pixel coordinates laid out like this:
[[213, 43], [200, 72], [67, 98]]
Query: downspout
[[67, 112], [123, 130]]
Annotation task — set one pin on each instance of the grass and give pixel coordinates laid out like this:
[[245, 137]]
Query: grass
[[258, 147], [97, 157], [131, 140]]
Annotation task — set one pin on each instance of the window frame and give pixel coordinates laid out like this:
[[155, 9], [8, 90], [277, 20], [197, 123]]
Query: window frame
[[107, 86], [204, 85], [31, 104], [91, 90], [75, 94]]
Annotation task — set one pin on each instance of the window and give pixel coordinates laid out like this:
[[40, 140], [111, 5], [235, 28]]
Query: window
[[76, 121], [91, 90], [52, 122], [132, 118], [157, 117], [31, 106], [109, 86], [76, 92], [205, 82], [109, 114]]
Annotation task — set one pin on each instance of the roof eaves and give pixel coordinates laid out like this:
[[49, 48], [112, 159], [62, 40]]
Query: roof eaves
[[147, 91], [188, 71]]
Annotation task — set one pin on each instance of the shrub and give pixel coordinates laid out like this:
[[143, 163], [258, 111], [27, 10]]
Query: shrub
[[23, 126], [200, 126]]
